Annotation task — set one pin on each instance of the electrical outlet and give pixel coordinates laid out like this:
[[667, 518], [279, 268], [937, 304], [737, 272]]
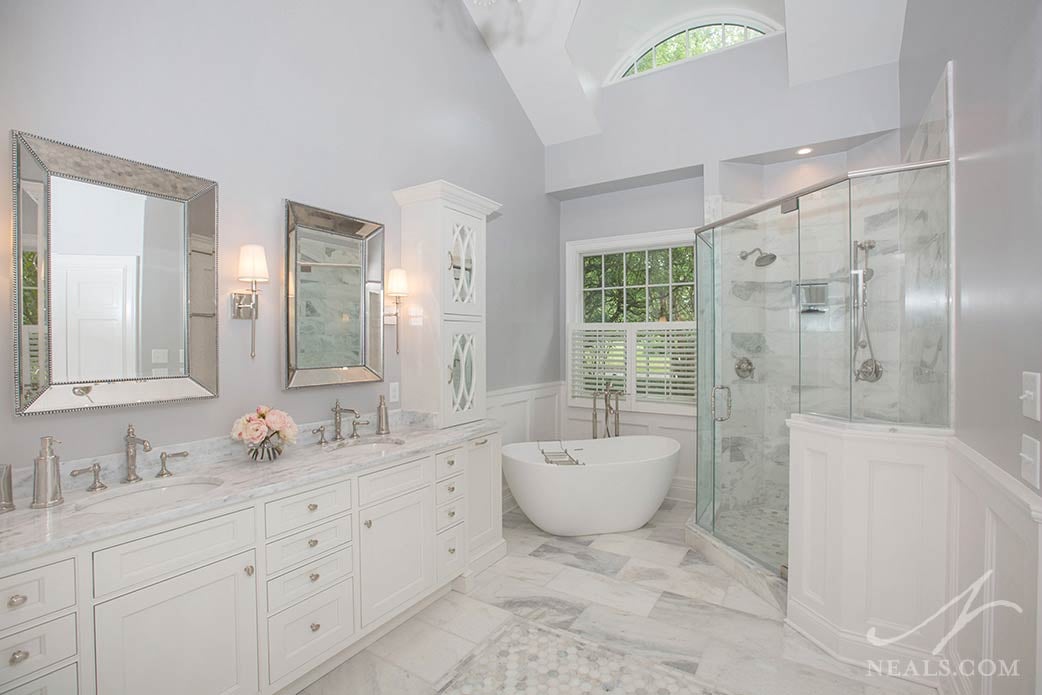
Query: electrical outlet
[[392, 392], [1029, 459], [1031, 403]]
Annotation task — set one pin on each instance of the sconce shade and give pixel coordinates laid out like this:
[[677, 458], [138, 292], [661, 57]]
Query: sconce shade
[[253, 265], [397, 283]]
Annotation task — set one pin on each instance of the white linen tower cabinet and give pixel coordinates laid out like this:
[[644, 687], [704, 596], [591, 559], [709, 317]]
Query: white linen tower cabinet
[[443, 332]]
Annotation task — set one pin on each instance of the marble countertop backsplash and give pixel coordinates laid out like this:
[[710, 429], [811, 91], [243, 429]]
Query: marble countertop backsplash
[[27, 533]]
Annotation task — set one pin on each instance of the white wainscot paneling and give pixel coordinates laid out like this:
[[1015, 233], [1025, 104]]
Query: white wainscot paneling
[[528, 413], [578, 425]]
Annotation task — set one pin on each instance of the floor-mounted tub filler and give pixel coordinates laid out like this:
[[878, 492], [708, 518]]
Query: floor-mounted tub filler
[[599, 486]]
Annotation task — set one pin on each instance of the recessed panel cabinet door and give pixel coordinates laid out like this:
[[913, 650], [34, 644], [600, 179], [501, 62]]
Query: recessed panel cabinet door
[[484, 493], [396, 539], [195, 633]]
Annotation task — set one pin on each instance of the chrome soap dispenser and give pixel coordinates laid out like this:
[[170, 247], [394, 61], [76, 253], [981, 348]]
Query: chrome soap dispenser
[[47, 484]]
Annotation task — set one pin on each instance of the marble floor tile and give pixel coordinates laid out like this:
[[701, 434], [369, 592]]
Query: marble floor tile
[[606, 591], [742, 599], [722, 667], [658, 640], [522, 542], [694, 557], [641, 548], [581, 557], [422, 649], [464, 617], [744, 632], [527, 568], [537, 603], [367, 673], [668, 534], [706, 585]]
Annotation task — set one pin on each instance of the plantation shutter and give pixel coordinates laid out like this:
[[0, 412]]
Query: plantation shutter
[[666, 365], [598, 359]]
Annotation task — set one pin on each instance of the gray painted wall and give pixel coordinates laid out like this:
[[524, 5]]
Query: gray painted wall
[[720, 106], [285, 100], [998, 209]]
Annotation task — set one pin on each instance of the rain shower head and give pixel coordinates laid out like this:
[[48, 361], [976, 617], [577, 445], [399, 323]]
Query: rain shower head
[[762, 259]]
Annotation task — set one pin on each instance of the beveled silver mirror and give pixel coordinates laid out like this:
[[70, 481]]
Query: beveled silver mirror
[[334, 298], [115, 290]]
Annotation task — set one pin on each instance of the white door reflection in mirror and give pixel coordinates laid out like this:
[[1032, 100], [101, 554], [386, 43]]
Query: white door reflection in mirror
[[114, 253]]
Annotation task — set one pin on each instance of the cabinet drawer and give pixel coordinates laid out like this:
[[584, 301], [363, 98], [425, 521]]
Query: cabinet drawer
[[61, 682], [313, 626], [450, 462], [126, 565], [314, 576], [31, 650], [449, 514], [305, 508], [37, 592], [451, 552], [449, 490], [308, 544], [394, 481]]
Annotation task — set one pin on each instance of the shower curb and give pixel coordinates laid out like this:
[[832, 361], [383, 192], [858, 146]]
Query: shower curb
[[770, 587]]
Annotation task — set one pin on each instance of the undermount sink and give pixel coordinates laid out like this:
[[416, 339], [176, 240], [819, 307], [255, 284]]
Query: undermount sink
[[139, 496], [366, 445]]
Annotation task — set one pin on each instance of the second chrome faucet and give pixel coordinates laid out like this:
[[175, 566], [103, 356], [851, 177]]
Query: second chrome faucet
[[132, 441]]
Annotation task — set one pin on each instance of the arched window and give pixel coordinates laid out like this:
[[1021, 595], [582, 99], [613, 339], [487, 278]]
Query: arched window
[[698, 39]]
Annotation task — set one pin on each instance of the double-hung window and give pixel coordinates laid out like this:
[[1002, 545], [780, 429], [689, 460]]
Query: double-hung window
[[632, 321]]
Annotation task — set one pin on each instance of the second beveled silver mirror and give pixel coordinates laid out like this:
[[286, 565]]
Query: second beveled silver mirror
[[334, 298], [115, 288]]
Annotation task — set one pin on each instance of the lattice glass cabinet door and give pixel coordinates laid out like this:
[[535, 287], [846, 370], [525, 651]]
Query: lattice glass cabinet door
[[463, 293], [465, 372]]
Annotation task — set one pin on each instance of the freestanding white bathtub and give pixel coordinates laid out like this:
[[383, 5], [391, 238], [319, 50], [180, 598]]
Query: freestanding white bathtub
[[619, 488]]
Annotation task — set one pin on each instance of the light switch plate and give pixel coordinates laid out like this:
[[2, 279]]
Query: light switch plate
[[1031, 386], [392, 392], [1029, 463]]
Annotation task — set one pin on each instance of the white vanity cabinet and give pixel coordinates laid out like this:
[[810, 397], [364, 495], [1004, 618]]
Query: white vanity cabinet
[[195, 633], [484, 496], [443, 336]]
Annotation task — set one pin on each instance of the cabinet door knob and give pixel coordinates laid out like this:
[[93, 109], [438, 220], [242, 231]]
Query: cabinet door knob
[[18, 656], [452, 551], [452, 462], [17, 600], [452, 513], [312, 543], [315, 627], [452, 488], [313, 576], [312, 507], [249, 570], [368, 523]]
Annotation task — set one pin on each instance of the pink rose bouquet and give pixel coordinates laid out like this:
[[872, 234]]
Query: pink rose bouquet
[[265, 432]]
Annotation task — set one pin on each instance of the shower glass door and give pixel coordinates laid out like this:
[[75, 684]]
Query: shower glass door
[[706, 288], [756, 329]]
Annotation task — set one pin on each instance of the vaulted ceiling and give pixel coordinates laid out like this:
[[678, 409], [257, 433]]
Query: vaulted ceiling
[[558, 54]]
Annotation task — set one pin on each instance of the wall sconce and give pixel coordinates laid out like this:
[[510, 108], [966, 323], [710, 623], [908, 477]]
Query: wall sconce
[[397, 287], [253, 268]]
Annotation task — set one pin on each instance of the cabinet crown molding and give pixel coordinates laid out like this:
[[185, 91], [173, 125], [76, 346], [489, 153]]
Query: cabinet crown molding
[[448, 192]]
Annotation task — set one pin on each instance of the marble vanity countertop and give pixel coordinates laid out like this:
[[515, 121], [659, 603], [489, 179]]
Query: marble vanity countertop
[[27, 533]]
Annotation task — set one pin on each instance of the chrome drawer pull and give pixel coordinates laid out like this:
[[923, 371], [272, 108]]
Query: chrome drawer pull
[[452, 551], [315, 627], [313, 576], [312, 507], [452, 488], [17, 601], [452, 513], [368, 523], [18, 656], [312, 543], [481, 443], [249, 570]]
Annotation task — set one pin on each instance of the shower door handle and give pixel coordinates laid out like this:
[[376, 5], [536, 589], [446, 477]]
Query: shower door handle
[[727, 414]]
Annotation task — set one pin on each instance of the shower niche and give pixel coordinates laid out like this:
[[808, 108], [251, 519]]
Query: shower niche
[[840, 297]]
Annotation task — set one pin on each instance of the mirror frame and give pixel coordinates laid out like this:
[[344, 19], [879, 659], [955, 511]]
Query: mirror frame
[[199, 197], [306, 216]]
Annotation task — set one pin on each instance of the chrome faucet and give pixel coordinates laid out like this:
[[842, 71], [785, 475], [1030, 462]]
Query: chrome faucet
[[611, 407], [338, 421], [132, 441]]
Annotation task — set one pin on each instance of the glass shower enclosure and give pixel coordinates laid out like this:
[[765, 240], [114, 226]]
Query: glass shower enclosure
[[834, 302]]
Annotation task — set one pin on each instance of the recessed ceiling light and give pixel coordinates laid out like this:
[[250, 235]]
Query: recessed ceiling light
[[805, 150]]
